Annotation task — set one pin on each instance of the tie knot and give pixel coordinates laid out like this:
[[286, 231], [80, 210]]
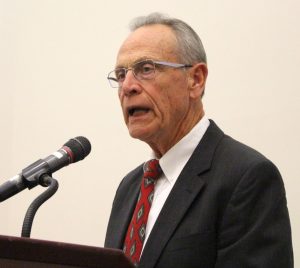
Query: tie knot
[[152, 169]]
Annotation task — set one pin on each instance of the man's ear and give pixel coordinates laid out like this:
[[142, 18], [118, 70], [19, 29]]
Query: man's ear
[[197, 79]]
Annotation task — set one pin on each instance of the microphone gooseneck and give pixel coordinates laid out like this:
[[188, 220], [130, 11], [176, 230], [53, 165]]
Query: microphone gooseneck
[[52, 185]]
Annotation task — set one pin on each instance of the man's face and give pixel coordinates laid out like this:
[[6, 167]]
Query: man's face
[[155, 111]]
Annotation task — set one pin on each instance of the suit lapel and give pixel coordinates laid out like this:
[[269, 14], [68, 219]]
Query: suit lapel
[[123, 209], [187, 187]]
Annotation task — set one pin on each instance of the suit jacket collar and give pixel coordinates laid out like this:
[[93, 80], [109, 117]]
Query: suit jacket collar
[[188, 186]]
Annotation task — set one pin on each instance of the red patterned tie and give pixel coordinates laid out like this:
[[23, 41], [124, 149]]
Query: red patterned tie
[[137, 228]]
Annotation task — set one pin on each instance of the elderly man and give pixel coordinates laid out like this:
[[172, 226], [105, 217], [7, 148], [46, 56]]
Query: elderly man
[[205, 200]]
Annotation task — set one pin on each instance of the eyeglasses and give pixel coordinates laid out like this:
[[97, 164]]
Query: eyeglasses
[[142, 70]]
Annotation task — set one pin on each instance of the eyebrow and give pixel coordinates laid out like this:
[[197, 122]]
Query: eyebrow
[[134, 62]]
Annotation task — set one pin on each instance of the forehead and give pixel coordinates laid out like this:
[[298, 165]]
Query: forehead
[[156, 42]]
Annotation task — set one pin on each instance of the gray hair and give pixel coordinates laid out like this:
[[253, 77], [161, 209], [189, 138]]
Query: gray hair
[[190, 47]]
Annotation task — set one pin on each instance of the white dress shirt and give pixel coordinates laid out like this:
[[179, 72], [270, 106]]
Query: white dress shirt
[[172, 163]]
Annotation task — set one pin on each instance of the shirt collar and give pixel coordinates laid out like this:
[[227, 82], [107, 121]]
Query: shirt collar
[[174, 160]]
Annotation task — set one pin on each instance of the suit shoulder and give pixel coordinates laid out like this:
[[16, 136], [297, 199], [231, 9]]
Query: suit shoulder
[[247, 167], [226, 150], [239, 152]]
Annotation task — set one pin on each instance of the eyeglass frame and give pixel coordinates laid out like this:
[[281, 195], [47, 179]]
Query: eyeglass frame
[[163, 63]]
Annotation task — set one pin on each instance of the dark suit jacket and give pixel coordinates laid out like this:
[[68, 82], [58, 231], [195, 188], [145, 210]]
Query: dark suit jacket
[[226, 210]]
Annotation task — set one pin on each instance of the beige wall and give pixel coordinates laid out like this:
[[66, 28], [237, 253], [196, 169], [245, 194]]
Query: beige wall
[[54, 58]]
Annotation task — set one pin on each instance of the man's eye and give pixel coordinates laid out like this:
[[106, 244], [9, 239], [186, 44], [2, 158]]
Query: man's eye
[[120, 74], [148, 68], [144, 68]]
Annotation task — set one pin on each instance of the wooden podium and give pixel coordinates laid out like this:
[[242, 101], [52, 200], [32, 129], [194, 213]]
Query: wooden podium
[[16, 252]]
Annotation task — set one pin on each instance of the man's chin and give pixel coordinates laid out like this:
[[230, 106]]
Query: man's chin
[[137, 134], [141, 134]]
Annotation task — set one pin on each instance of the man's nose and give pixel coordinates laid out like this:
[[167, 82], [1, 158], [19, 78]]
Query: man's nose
[[130, 84]]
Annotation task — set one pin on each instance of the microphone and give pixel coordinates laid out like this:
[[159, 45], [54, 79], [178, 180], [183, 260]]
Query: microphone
[[74, 150]]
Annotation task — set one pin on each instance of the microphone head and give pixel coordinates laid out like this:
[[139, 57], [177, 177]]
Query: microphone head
[[80, 148]]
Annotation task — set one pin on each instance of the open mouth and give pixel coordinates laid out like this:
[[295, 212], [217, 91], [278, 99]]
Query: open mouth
[[136, 111]]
